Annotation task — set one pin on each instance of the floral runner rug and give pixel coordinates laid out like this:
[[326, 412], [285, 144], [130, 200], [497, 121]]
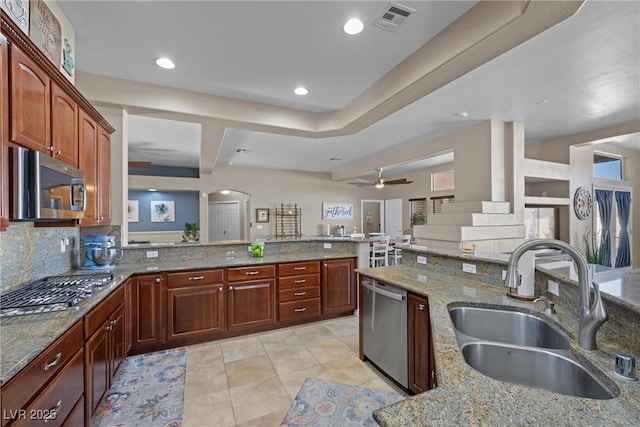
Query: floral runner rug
[[323, 403], [147, 391]]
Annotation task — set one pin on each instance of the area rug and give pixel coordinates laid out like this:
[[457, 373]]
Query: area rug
[[147, 391], [323, 403]]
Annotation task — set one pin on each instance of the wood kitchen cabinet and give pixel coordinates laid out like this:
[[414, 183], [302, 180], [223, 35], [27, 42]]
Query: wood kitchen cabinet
[[56, 375], [88, 137], [298, 290], [103, 172], [421, 359], [251, 304], [64, 126], [195, 305], [338, 286], [4, 133], [104, 349], [146, 312]]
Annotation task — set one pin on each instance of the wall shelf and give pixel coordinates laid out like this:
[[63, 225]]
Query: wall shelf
[[547, 201], [288, 221]]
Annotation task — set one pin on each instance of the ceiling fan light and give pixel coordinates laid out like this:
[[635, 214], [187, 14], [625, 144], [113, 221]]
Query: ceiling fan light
[[379, 184]]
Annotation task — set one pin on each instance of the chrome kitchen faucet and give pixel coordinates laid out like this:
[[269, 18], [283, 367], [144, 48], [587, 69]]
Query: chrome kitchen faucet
[[591, 318]]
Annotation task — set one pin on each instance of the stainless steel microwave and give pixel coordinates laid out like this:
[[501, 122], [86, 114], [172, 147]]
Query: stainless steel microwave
[[44, 188]]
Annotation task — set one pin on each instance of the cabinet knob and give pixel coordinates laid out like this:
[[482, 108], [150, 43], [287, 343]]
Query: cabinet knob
[[230, 288], [158, 280], [421, 307], [220, 289], [53, 363], [51, 148], [58, 151]]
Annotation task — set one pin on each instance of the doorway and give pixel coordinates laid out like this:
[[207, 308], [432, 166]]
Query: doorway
[[224, 221], [372, 216], [393, 215]]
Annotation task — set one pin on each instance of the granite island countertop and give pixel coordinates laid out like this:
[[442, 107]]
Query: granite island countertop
[[466, 397], [23, 338]]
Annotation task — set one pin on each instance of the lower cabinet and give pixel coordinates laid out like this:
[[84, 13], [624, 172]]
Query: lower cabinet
[[421, 363], [195, 305], [338, 289], [251, 304], [146, 311]]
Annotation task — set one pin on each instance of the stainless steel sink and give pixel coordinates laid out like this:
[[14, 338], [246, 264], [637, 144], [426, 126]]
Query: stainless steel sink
[[510, 327], [534, 367]]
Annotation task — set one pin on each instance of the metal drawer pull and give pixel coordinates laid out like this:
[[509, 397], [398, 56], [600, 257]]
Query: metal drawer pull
[[421, 307], [298, 310], [53, 412], [299, 294], [299, 268], [252, 273], [196, 278], [53, 363], [300, 281]]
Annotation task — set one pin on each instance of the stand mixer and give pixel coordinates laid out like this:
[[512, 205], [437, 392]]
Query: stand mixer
[[101, 253]]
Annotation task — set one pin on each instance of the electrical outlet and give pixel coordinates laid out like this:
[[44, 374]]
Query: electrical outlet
[[553, 287], [63, 247], [469, 268], [152, 254], [422, 259], [504, 274], [327, 245]]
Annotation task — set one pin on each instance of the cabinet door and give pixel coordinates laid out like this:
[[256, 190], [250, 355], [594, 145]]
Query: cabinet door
[[97, 367], [251, 304], [4, 133], [195, 312], [118, 353], [420, 353], [146, 310], [64, 126], [88, 140], [103, 174], [338, 286], [29, 102]]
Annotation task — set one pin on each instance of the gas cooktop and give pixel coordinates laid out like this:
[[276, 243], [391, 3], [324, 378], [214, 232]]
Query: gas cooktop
[[52, 293]]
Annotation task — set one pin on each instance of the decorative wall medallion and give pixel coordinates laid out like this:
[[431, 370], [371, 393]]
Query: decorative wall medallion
[[18, 10], [582, 203]]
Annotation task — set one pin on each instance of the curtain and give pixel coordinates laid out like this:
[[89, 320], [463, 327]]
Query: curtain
[[623, 200], [605, 199]]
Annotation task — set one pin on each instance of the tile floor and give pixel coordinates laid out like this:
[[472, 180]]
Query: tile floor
[[252, 380]]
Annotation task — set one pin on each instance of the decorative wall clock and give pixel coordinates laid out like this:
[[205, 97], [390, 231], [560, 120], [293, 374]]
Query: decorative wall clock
[[582, 203]]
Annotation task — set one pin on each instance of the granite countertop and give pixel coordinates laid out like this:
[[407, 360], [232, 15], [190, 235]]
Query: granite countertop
[[466, 397], [23, 338], [134, 245]]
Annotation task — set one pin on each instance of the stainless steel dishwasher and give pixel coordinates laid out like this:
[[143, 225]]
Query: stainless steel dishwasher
[[384, 329]]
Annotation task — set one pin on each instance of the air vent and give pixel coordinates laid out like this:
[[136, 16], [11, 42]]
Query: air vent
[[393, 16], [241, 150]]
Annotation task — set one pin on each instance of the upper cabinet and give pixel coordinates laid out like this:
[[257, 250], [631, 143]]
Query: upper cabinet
[[103, 171], [64, 126], [4, 130]]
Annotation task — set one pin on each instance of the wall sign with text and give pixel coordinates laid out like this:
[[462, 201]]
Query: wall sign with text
[[338, 211]]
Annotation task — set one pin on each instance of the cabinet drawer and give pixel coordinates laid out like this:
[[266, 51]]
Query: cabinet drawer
[[57, 401], [296, 268], [251, 273], [102, 311], [26, 384], [299, 293], [190, 278], [298, 281], [299, 309]]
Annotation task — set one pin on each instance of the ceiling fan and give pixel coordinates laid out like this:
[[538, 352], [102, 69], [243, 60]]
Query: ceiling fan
[[380, 182]]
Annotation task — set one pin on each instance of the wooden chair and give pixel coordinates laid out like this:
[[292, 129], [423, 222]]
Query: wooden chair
[[396, 251], [379, 253]]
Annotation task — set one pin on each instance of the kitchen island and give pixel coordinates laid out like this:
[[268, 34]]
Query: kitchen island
[[464, 396]]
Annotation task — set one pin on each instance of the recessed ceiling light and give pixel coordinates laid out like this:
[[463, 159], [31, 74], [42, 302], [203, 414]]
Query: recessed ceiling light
[[301, 90], [462, 114], [152, 189], [353, 26], [225, 191], [542, 101], [165, 63]]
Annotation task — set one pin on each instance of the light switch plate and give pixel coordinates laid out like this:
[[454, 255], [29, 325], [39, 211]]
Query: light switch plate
[[327, 245], [469, 268], [422, 259], [504, 274], [259, 226], [553, 287], [63, 247], [152, 254]]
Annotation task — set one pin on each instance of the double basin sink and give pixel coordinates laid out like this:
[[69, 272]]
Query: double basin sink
[[524, 349]]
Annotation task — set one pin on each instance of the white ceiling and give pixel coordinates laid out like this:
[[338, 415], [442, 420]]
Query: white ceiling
[[580, 75]]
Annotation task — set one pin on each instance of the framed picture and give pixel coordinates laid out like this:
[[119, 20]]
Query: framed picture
[[337, 211], [45, 31], [262, 215], [132, 211], [162, 211]]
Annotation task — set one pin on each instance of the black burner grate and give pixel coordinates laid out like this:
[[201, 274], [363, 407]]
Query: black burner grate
[[51, 294]]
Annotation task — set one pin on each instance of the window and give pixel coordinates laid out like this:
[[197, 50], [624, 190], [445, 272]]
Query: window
[[606, 166], [437, 202], [418, 209], [442, 181]]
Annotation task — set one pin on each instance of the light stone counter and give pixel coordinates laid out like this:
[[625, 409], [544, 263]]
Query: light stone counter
[[466, 397]]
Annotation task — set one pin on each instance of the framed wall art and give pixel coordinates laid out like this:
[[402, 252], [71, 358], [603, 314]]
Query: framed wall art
[[45, 31], [132, 211], [337, 211], [262, 215], [163, 211]]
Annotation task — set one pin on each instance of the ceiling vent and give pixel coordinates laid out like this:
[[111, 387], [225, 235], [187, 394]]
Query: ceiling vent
[[393, 16], [241, 150]]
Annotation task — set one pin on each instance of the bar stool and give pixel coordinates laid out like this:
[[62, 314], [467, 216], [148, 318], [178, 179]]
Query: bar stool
[[396, 251], [379, 253]]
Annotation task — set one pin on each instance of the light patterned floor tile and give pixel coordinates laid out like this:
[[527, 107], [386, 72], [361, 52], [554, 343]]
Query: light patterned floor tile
[[352, 341], [210, 410], [203, 356], [294, 380], [292, 359], [330, 350], [205, 381], [249, 370], [314, 333], [343, 327], [280, 339], [241, 348], [273, 398], [350, 371]]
